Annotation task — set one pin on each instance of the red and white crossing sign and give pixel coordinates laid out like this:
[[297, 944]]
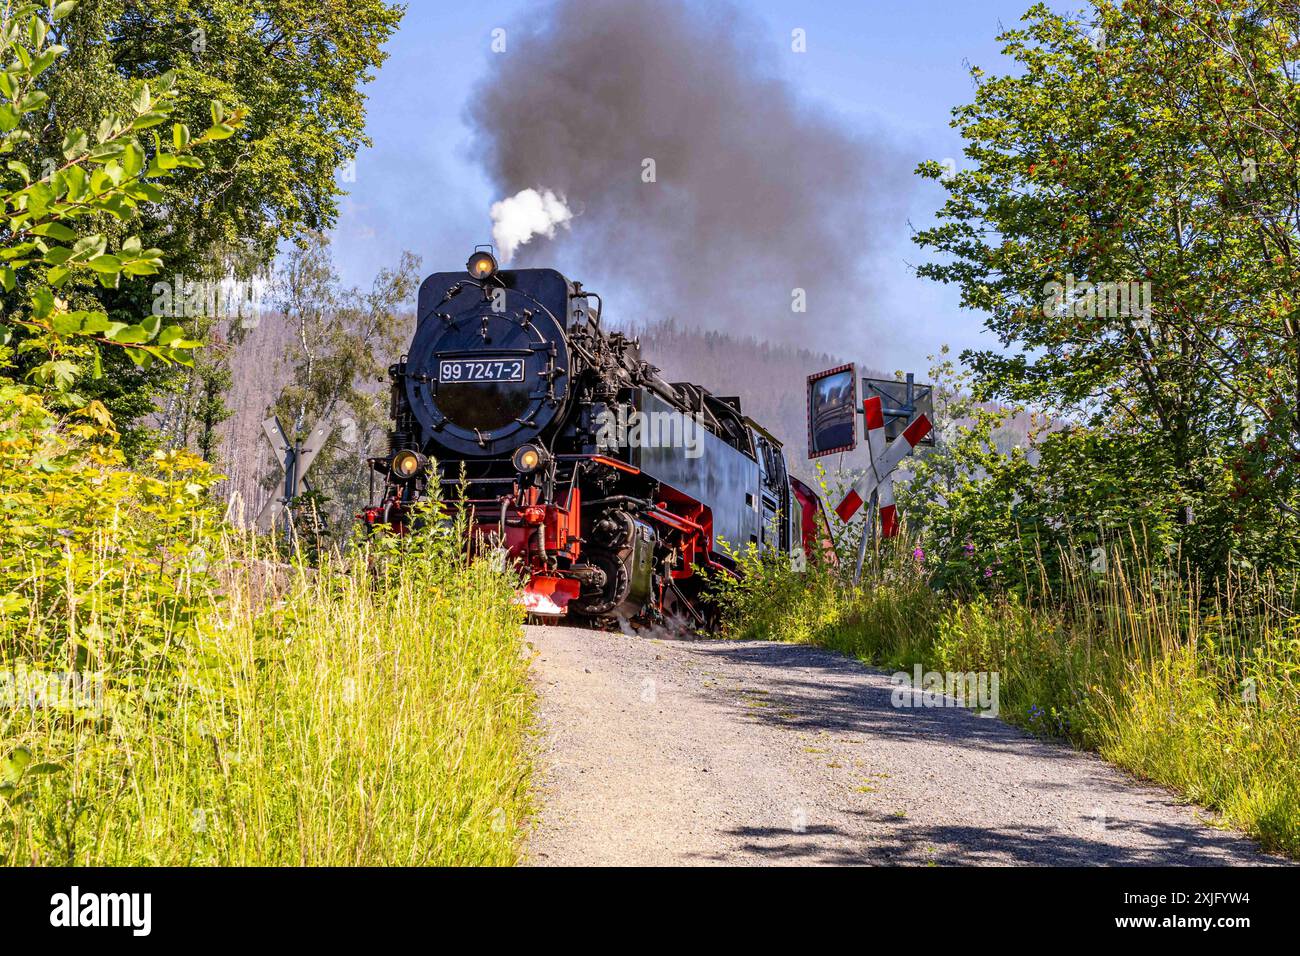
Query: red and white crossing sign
[[885, 457]]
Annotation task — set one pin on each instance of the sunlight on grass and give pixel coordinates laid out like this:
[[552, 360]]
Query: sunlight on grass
[[351, 714]]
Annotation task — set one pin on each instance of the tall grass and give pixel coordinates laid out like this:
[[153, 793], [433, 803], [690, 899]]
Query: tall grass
[[1195, 686], [373, 710]]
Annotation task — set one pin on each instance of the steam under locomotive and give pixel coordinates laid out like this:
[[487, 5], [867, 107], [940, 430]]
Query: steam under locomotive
[[611, 487]]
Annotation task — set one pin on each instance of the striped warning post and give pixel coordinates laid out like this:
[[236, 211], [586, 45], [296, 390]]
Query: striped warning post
[[876, 443], [884, 459]]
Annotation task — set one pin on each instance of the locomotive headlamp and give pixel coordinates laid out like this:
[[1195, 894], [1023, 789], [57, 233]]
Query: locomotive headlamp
[[528, 458], [407, 464], [482, 265]]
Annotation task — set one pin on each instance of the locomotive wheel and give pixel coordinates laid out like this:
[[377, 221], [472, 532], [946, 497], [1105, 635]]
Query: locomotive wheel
[[612, 594]]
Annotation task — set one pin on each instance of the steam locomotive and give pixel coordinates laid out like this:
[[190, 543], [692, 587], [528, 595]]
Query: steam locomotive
[[610, 487]]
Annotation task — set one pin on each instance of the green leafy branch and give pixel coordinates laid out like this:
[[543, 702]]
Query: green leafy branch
[[110, 173]]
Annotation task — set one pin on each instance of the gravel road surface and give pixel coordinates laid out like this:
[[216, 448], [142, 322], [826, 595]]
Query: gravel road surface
[[664, 752]]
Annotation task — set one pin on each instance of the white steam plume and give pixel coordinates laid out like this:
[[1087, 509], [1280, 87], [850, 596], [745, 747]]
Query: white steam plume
[[526, 214]]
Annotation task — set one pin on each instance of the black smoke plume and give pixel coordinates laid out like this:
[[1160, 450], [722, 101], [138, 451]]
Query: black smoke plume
[[756, 194]]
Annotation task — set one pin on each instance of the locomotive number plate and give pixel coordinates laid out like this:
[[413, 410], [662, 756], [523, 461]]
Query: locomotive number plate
[[487, 370]]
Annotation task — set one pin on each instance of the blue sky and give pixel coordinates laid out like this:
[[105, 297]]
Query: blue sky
[[893, 67]]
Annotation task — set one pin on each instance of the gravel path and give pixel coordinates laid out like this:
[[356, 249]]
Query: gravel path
[[662, 752]]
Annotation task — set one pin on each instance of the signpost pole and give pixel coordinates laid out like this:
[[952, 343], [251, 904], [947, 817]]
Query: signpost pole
[[868, 534], [862, 551], [873, 517], [290, 487]]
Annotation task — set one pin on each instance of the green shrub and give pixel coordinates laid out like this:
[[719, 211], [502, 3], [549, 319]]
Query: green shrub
[[315, 717], [104, 568], [170, 696]]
